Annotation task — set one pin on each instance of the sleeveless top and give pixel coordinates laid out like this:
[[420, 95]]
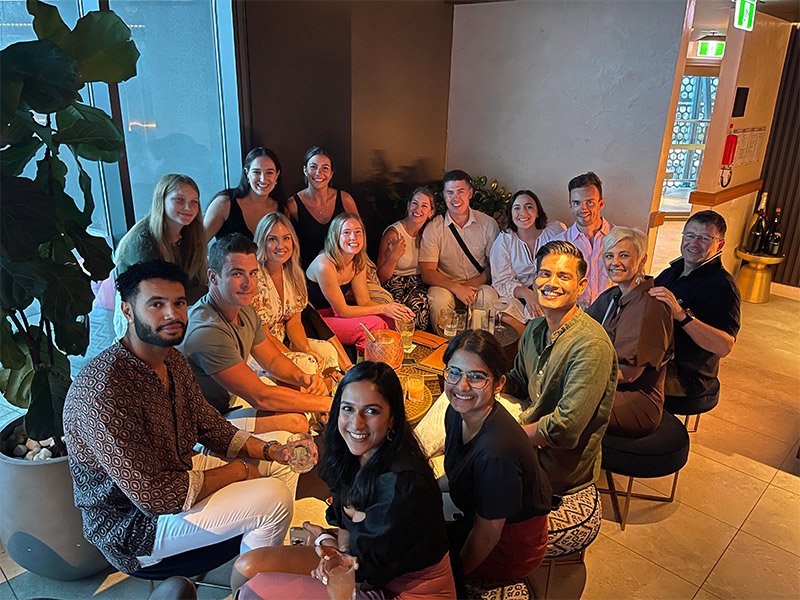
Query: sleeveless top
[[310, 232], [317, 299], [235, 221], [408, 264]]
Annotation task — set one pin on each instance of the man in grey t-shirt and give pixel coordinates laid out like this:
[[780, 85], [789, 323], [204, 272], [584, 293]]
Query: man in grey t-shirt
[[224, 330]]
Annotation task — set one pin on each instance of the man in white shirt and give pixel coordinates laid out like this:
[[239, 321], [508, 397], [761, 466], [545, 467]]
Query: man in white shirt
[[454, 253], [587, 232]]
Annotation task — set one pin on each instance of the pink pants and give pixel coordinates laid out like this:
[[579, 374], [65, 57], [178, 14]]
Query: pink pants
[[348, 330]]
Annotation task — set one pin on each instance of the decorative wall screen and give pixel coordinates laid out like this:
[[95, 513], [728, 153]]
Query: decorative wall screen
[[689, 133]]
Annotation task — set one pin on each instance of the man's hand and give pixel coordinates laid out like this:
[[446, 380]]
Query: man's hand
[[668, 298], [280, 453], [314, 384], [465, 293]]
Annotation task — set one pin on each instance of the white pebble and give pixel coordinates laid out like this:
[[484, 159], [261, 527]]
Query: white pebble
[[30, 455], [43, 454], [20, 450], [46, 443], [33, 444]]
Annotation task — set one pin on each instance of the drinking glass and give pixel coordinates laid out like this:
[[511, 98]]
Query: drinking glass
[[341, 573], [499, 306], [447, 321], [416, 388], [461, 320], [301, 452], [406, 330]]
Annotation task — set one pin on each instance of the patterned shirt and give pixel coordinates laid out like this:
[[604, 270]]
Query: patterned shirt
[[272, 312], [130, 445]]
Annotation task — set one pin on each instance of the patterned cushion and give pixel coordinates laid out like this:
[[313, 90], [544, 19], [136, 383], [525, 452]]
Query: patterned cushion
[[513, 591], [575, 524]]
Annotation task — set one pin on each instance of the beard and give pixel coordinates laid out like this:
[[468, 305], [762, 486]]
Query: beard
[[151, 336]]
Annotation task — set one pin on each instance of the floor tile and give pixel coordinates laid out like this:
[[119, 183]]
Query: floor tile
[[788, 475], [774, 519], [738, 374], [751, 568], [28, 585], [613, 571], [10, 568], [675, 536], [765, 416], [703, 482], [705, 595], [6, 593], [739, 447]]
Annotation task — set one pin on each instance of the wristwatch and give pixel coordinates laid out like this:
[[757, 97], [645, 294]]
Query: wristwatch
[[689, 317], [267, 446]]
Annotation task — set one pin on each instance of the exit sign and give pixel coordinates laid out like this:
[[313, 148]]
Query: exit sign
[[744, 14], [710, 48]]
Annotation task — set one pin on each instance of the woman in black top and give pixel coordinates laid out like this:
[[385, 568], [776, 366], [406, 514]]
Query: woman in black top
[[313, 208], [493, 474], [239, 209], [385, 502]]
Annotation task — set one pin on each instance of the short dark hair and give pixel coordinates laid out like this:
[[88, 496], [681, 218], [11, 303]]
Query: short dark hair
[[562, 247], [507, 220], [127, 282], [457, 175], [233, 243], [585, 180], [484, 345], [709, 217]]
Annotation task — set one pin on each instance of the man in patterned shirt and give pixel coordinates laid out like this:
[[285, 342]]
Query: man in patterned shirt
[[132, 418]]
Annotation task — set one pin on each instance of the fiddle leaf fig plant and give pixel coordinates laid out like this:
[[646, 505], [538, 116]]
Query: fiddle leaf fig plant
[[48, 259]]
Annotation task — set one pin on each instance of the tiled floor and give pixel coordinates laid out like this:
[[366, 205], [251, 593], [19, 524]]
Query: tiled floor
[[733, 531]]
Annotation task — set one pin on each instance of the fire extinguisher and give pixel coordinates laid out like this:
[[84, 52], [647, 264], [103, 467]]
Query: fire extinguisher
[[726, 171]]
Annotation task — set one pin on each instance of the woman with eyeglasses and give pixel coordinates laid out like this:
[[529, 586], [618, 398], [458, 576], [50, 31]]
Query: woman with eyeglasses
[[491, 470], [641, 329]]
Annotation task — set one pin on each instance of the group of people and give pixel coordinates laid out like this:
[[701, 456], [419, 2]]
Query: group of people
[[265, 318]]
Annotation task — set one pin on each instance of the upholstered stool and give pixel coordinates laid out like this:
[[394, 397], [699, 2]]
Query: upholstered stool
[[681, 405], [663, 452]]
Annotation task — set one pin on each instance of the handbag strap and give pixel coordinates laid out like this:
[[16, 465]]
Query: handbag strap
[[475, 263]]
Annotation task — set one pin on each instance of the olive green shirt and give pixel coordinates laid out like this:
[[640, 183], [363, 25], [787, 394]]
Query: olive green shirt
[[566, 382]]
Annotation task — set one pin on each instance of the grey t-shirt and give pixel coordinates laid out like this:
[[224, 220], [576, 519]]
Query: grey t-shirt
[[213, 344]]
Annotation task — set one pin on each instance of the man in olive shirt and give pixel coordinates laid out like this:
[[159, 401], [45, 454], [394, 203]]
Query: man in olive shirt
[[565, 372]]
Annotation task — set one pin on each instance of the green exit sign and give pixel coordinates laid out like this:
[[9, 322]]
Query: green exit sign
[[711, 48], [745, 14]]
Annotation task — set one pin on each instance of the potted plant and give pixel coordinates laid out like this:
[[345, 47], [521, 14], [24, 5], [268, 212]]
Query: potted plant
[[47, 263]]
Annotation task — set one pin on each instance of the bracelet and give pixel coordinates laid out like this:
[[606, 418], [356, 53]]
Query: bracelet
[[246, 470], [322, 537], [267, 447]]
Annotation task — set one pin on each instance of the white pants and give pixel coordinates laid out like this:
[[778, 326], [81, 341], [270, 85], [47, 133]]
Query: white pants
[[440, 298], [261, 509]]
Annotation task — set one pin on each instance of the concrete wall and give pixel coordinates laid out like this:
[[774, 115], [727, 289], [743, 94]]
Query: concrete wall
[[543, 91]]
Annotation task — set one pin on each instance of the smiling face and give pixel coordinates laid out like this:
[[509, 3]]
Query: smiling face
[[622, 262], [262, 175], [557, 283], [351, 237], [585, 205], [524, 212], [279, 244], [158, 312], [318, 171], [364, 419], [420, 209], [466, 400], [457, 195], [700, 242], [181, 205], [236, 285]]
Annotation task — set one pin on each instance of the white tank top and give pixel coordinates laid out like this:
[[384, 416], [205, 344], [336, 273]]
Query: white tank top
[[408, 264]]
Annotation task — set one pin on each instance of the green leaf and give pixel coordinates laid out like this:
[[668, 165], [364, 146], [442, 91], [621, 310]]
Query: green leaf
[[14, 131], [31, 275], [14, 159], [43, 174], [10, 354], [12, 295], [15, 384], [49, 76], [101, 44], [47, 22], [10, 92], [44, 417], [72, 338], [86, 187], [68, 294], [94, 251], [27, 218], [43, 131], [91, 132]]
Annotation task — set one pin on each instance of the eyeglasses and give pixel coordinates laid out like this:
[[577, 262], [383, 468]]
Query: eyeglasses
[[475, 379], [706, 239]]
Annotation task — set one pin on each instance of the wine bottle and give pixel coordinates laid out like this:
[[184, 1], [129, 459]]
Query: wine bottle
[[772, 242], [755, 234]]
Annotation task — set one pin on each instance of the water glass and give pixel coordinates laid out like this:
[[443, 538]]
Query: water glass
[[301, 452], [406, 331], [461, 320], [447, 321], [340, 571]]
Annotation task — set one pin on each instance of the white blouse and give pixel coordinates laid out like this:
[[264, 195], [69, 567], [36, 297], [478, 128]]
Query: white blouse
[[408, 264]]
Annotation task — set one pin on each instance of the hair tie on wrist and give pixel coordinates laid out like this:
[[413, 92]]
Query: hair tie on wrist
[[246, 470]]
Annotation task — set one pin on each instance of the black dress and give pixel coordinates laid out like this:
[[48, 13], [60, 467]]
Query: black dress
[[310, 232], [235, 221]]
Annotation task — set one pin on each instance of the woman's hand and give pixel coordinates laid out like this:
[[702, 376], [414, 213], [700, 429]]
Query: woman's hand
[[397, 311], [396, 248]]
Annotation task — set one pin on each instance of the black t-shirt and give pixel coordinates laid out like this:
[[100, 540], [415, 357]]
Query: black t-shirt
[[497, 473], [713, 296], [404, 529]]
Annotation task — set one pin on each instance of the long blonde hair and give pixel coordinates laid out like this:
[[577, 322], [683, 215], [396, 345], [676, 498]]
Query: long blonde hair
[[291, 267], [332, 249], [154, 223]]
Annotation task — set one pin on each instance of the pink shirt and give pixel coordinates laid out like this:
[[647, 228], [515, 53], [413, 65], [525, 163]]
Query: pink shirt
[[593, 254]]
